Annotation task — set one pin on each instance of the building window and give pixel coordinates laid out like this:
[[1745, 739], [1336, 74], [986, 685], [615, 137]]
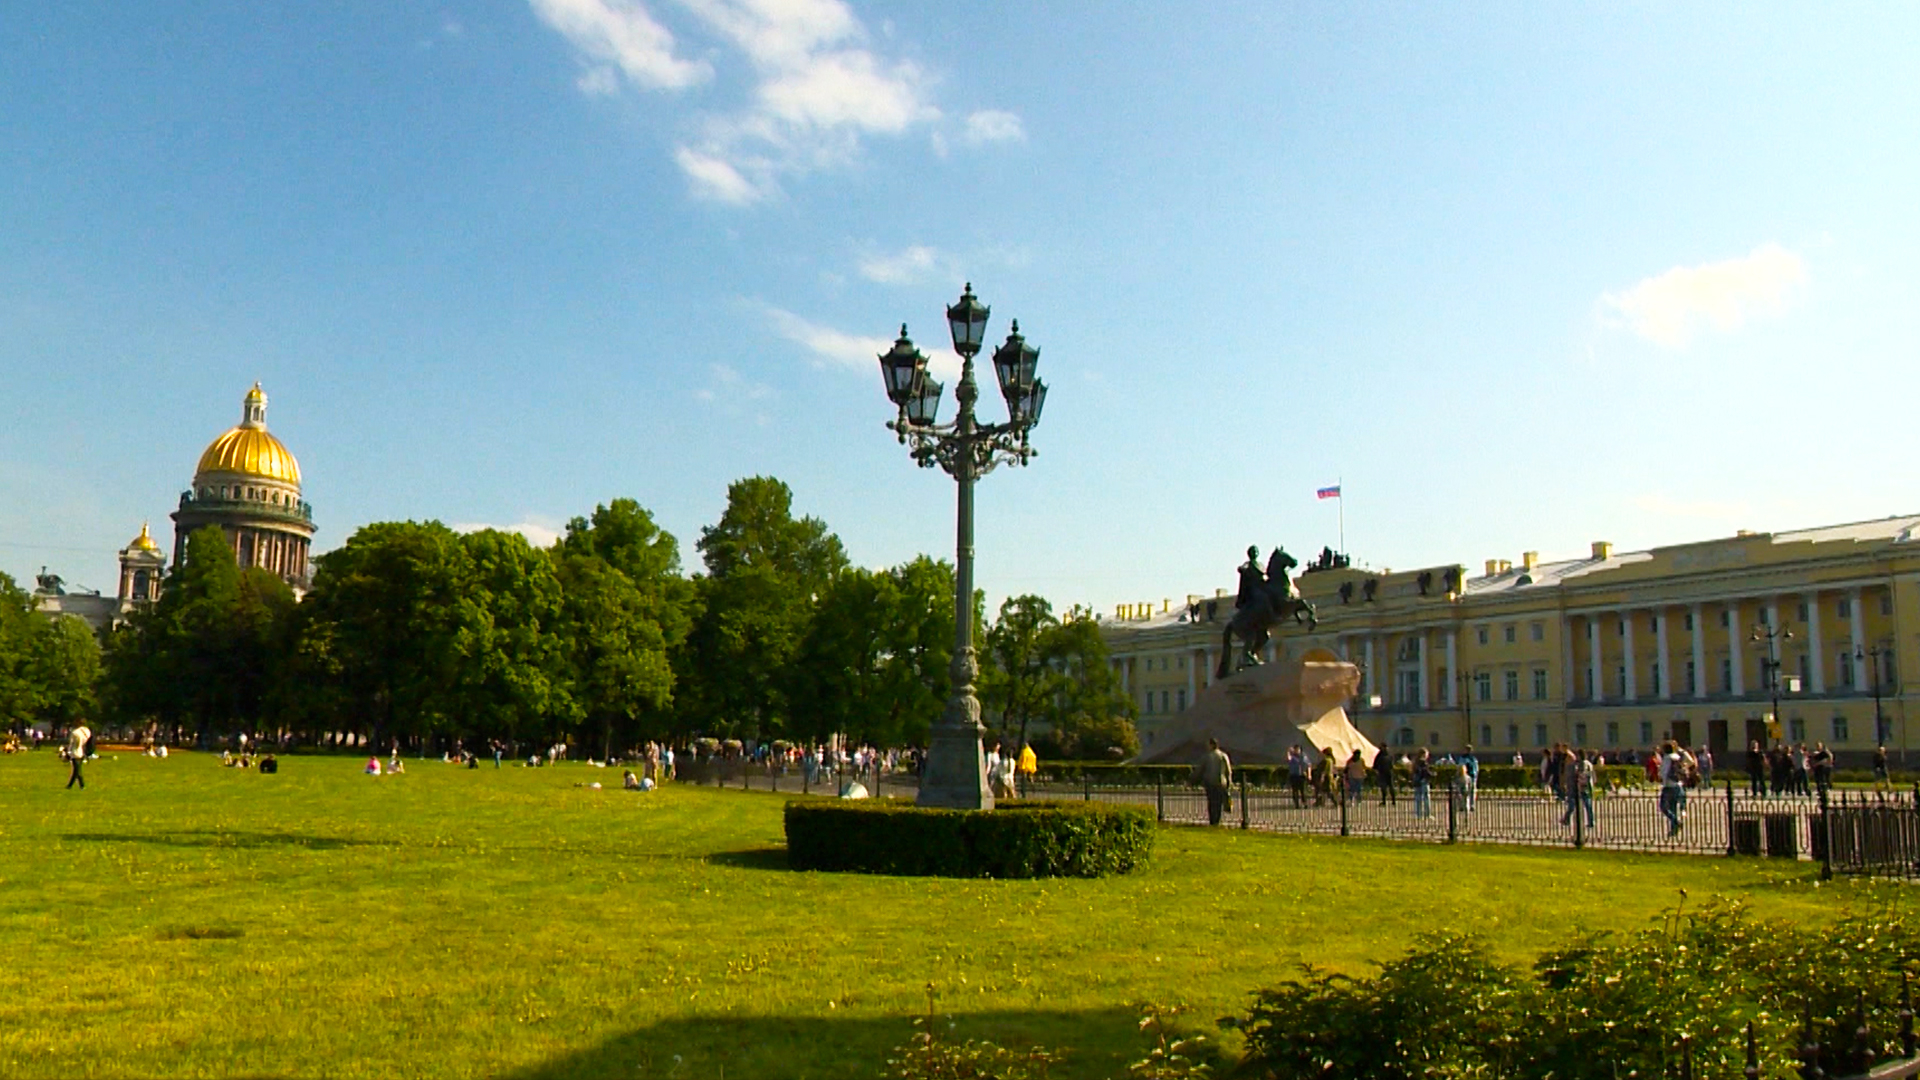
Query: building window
[[1539, 734], [1846, 608], [1839, 729], [1411, 691], [1163, 701], [1653, 677], [1646, 733], [1796, 730], [1806, 671], [1486, 734], [1404, 736], [1693, 686], [1726, 619], [1513, 686], [1180, 700], [1513, 734], [1726, 676], [1482, 634], [1507, 632], [1886, 603], [1803, 611], [1483, 686], [1653, 623], [1688, 622], [1846, 669], [1620, 630], [1537, 631], [1620, 677], [1433, 738], [1539, 684], [1613, 733], [1764, 615], [1580, 734]]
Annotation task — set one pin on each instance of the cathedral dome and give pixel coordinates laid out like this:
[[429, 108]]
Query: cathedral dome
[[248, 449], [144, 542]]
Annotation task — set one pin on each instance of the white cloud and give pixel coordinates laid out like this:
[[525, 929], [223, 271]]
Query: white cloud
[[1667, 308], [537, 534], [854, 352], [994, 125], [622, 34], [911, 264], [816, 88], [716, 179], [599, 81]]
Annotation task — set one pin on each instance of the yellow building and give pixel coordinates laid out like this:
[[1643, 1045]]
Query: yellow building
[[1612, 651], [248, 484]]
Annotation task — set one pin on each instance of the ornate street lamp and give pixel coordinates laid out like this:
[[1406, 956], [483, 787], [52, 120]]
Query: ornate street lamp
[[1770, 667], [956, 770]]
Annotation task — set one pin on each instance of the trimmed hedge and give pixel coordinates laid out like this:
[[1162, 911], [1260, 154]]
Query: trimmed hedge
[[1017, 840]]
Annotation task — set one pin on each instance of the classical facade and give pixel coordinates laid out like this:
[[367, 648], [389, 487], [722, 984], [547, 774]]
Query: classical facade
[[1612, 651], [248, 484]]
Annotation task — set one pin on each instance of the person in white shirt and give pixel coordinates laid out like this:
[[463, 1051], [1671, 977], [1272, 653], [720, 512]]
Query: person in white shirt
[[77, 740]]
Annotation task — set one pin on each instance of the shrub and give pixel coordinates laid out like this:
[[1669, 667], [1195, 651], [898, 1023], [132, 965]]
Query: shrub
[[1018, 840], [1598, 1008]]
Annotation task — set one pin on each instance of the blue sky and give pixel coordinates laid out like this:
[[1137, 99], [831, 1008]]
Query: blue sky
[[1522, 276]]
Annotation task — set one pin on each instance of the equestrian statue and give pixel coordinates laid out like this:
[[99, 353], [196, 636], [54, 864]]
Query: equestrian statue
[[1264, 599]]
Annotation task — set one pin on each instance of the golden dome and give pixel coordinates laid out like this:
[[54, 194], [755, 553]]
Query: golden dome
[[143, 542], [248, 449]]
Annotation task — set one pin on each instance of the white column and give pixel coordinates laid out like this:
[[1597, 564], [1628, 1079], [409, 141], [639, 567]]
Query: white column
[[1453, 669], [1213, 660], [1426, 672], [1566, 658], [1193, 676], [1734, 640], [1816, 653], [1126, 673], [1373, 677], [1700, 651], [1596, 686], [1664, 660], [1859, 631], [1632, 689]]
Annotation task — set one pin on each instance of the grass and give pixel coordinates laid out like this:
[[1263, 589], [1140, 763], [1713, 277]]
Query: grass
[[177, 918]]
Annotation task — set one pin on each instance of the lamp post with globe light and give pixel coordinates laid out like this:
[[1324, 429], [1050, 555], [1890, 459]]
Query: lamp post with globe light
[[955, 774]]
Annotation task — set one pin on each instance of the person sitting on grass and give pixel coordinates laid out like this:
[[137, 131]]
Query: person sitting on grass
[[628, 782], [373, 765], [396, 767]]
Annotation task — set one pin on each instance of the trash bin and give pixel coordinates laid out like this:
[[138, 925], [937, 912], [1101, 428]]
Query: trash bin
[[1746, 835], [1783, 836]]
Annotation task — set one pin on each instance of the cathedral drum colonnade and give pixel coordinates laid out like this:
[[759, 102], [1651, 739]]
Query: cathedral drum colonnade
[[248, 484]]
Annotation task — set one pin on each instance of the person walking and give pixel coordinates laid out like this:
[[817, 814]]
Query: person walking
[[1821, 762], [1881, 782], [1756, 769], [1576, 779], [1297, 775], [1214, 775], [1383, 776], [77, 740], [1470, 776], [1673, 774], [1356, 776], [1422, 784], [1324, 780]]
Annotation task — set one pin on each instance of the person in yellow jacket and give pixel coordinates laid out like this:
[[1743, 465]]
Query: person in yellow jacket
[[1029, 765]]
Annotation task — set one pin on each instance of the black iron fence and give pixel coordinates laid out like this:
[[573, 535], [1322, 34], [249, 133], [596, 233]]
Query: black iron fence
[[1872, 833]]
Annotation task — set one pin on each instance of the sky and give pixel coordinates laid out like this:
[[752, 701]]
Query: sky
[[1517, 276]]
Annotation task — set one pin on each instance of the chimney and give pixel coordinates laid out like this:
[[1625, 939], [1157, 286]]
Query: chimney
[[1493, 567], [1164, 602], [1505, 566], [1529, 560], [1602, 550], [1219, 594]]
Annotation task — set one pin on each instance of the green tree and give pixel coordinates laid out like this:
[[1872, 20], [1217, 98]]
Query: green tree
[[873, 664], [19, 699], [1091, 716], [66, 668], [508, 671], [618, 652], [1018, 684], [764, 569]]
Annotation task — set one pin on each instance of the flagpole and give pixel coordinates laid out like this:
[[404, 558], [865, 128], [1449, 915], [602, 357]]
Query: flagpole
[[1341, 482]]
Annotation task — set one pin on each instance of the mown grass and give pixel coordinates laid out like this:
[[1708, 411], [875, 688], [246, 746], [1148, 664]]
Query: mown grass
[[177, 918]]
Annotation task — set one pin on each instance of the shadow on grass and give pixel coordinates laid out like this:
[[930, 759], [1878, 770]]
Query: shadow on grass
[[773, 858], [228, 838], [1098, 1043]]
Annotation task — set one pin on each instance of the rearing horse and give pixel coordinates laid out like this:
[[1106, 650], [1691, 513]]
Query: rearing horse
[[1272, 601]]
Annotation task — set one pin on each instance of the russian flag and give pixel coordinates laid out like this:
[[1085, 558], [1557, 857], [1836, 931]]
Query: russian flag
[[1329, 492]]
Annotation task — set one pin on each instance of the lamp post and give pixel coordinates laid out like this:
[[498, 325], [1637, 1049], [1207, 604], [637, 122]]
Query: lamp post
[[1465, 685], [1770, 665], [1874, 654], [955, 774]]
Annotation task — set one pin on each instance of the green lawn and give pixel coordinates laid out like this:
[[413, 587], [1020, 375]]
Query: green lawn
[[177, 918]]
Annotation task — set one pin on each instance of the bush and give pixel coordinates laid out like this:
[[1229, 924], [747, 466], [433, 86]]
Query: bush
[[1018, 840], [1598, 1008]]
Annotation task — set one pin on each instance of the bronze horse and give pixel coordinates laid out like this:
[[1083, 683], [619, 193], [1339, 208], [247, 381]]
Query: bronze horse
[[1267, 602]]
